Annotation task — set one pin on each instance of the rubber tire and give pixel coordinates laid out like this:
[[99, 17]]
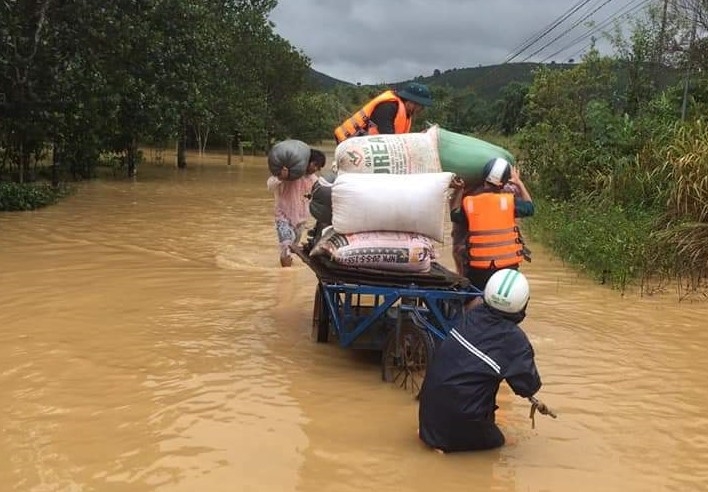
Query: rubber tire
[[404, 369], [320, 317]]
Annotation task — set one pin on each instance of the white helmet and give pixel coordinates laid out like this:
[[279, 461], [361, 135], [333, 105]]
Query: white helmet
[[507, 291], [497, 172]]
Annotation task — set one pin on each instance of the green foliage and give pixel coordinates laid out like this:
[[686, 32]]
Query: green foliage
[[488, 82], [645, 216], [622, 183], [679, 252], [562, 96], [106, 77], [574, 139], [509, 143], [547, 151], [687, 167], [314, 116], [682, 239], [90, 79], [587, 123], [639, 55], [449, 110], [606, 240], [17, 196], [511, 116]]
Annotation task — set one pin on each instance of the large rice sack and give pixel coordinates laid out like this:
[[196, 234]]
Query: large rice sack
[[464, 155], [380, 250], [406, 153], [293, 154], [391, 202]]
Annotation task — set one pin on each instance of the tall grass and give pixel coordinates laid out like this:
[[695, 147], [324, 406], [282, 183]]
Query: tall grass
[[682, 238], [687, 165], [645, 219]]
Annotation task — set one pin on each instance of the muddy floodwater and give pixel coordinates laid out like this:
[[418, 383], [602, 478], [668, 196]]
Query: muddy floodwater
[[150, 341]]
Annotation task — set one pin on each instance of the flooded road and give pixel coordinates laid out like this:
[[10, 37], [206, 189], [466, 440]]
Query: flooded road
[[150, 341]]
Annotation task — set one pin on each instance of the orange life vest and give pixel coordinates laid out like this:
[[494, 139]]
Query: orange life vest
[[493, 239], [360, 123]]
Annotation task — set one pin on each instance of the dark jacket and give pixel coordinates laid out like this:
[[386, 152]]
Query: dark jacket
[[384, 116], [462, 380]]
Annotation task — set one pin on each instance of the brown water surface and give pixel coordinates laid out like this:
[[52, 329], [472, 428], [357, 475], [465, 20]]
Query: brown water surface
[[149, 341]]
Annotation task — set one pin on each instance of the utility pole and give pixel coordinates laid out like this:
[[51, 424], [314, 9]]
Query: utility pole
[[688, 65], [659, 51]]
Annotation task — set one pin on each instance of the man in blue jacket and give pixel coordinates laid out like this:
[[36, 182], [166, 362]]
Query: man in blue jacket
[[458, 397]]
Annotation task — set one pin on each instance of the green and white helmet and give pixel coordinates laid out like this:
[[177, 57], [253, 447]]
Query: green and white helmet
[[507, 291]]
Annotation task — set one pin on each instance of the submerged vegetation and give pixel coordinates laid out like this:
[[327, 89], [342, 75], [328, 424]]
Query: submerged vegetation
[[19, 196]]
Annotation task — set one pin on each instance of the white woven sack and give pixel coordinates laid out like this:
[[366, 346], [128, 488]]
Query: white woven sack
[[391, 202], [405, 153], [381, 250]]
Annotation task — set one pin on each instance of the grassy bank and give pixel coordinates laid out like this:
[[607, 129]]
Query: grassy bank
[[609, 243]]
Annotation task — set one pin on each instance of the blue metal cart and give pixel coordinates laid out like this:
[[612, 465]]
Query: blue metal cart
[[401, 314]]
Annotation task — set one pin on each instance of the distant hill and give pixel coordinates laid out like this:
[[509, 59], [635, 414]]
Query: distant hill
[[324, 82], [488, 81]]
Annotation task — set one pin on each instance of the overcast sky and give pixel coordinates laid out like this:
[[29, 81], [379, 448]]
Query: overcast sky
[[387, 41]]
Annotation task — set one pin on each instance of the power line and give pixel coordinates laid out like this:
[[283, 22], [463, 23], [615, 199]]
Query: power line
[[544, 31], [597, 28], [622, 12], [573, 26]]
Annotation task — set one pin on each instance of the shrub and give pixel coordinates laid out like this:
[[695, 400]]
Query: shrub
[[607, 241], [26, 196]]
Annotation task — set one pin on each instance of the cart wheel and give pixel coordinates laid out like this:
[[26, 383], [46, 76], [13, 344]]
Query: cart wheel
[[406, 357], [320, 317]]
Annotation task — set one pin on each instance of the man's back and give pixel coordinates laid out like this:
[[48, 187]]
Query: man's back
[[462, 381]]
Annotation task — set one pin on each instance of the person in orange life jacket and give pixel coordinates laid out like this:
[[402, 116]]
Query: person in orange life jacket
[[388, 113], [487, 217], [459, 231], [458, 397], [293, 165]]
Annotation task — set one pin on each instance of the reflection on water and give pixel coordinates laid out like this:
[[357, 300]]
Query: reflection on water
[[149, 341]]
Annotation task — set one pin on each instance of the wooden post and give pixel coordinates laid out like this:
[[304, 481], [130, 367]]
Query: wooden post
[[229, 143], [55, 165], [239, 141]]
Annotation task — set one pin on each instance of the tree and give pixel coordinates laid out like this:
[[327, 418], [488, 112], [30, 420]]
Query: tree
[[96, 77], [314, 116], [510, 113], [24, 80], [560, 138], [561, 96], [643, 54]]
